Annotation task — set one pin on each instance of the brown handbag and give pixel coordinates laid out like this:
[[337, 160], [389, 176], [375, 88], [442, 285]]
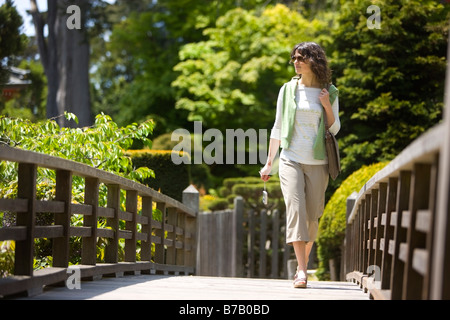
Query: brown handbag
[[332, 148]]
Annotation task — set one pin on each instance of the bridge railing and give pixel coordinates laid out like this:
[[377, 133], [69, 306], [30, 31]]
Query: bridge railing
[[243, 242], [397, 243], [173, 238], [391, 230]]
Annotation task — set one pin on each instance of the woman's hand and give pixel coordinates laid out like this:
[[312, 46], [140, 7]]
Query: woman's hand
[[324, 98], [265, 172], [274, 145]]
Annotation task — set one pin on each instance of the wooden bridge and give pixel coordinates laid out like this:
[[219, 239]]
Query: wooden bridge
[[396, 247], [182, 288], [397, 244], [166, 271]]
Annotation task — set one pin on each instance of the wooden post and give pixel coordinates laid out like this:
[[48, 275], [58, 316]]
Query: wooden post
[[89, 244], [275, 243], [237, 267], [191, 198], [251, 243], [23, 263], [146, 246], [388, 233], [206, 257], [399, 234], [372, 215], [130, 244], [159, 247], [420, 188], [171, 235], [382, 198], [366, 215], [349, 239], [180, 252], [440, 276], [262, 243], [60, 249], [434, 176], [190, 241], [112, 248], [360, 234], [219, 238]]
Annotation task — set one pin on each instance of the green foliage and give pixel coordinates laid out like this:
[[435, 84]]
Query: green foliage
[[224, 65], [391, 80], [102, 146], [219, 204], [170, 179], [164, 142], [332, 224], [11, 41], [6, 258], [237, 72], [249, 188], [199, 174], [132, 80]]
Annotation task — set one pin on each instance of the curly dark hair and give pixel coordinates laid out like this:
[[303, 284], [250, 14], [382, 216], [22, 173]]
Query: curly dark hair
[[312, 53]]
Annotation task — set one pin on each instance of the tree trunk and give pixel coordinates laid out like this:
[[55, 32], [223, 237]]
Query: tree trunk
[[65, 57]]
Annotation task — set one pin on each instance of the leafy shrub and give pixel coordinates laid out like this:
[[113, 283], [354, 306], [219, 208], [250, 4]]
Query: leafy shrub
[[164, 142], [102, 146], [219, 204], [170, 179], [249, 188], [199, 174], [332, 223]]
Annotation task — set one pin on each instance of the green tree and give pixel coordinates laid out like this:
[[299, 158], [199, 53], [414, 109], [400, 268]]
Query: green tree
[[391, 79], [134, 67], [138, 71], [12, 41], [236, 73], [102, 145]]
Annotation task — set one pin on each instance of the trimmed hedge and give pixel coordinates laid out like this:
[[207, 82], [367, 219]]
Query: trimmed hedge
[[332, 223], [250, 188], [170, 179]]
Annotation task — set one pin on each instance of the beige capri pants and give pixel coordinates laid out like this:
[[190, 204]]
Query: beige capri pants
[[303, 187]]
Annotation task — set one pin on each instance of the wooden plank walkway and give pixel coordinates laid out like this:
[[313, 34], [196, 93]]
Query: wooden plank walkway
[[170, 287]]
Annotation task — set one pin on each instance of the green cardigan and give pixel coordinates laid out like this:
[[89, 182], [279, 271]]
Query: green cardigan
[[289, 108]]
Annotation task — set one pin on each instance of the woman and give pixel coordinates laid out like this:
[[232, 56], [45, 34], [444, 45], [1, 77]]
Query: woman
[[303, 169]]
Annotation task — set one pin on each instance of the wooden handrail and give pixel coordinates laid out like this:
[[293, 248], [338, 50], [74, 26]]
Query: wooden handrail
[[399, 226], [422, 149], [174, 237], [390, 230]]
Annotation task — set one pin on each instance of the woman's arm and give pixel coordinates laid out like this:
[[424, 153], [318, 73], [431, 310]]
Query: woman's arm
[[274, 145], [275, 140], [331, 112]]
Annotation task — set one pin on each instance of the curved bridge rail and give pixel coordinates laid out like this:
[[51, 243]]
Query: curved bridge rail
[[391, 239], [173, 237]]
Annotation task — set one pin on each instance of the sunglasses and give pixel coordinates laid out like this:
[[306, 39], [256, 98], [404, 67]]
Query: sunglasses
[[297, 58]]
